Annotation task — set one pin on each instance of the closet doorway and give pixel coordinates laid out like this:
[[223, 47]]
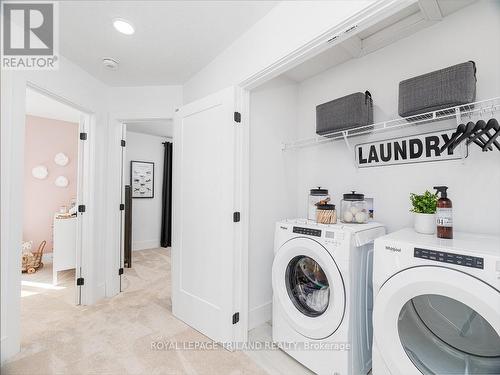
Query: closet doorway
[[146, 196]]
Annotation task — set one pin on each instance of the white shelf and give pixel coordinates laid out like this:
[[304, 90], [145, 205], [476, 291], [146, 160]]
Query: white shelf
[[484, 107]]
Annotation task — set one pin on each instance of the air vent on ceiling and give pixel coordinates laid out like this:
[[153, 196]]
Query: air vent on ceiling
[[110, 63]]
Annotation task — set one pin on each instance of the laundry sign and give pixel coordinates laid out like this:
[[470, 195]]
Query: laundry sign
[[411, 149]]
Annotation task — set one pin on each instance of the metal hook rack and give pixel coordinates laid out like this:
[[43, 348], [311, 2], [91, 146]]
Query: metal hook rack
[[479, 108]]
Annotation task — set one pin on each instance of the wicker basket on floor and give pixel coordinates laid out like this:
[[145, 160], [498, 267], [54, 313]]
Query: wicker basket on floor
[[33, 261]]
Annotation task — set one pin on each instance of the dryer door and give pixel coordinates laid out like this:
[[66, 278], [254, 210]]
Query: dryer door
[[309, 287], [436, 320]]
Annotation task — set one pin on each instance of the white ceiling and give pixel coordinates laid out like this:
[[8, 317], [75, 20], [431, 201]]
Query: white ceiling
[[161, 128], [173, 39], [42, 106]]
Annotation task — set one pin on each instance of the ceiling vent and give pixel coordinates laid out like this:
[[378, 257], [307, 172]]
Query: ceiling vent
[[110, 64]]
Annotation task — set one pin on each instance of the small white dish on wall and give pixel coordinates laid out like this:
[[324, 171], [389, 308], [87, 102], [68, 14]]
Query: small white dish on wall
[[61, 159], [61, 181], [40, 172]]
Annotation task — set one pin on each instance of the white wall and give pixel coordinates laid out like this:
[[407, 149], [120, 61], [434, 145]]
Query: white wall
[[473, 186], [144, 102], [288, 26], [146, 212], [273, 185]]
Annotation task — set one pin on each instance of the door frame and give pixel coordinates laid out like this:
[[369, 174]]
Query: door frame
[[117, 131], [331, 37], [13, 147]]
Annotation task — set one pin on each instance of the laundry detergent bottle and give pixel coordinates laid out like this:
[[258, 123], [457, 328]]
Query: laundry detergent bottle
[[444, 214]]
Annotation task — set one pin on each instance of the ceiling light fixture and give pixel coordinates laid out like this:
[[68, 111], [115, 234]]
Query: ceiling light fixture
[[123, 26]]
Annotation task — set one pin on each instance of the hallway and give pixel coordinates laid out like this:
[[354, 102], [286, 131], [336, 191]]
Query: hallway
[[115, 336]]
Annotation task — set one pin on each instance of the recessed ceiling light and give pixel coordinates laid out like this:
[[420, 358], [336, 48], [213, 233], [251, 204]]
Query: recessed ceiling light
[[123, 26]]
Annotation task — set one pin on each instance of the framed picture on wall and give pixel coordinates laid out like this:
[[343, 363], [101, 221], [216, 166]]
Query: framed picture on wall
[[142, 176]]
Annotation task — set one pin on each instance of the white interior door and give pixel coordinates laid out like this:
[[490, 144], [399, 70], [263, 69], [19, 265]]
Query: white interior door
[[205, 244]]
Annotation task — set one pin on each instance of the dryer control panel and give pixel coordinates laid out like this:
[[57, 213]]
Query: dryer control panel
[[307, 231], [441, 256]]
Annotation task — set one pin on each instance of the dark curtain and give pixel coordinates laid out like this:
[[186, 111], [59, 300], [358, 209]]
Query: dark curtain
[[166, 212]]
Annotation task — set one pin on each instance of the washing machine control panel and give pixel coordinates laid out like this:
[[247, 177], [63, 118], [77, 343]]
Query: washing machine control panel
[[443, 257], [307, 231]]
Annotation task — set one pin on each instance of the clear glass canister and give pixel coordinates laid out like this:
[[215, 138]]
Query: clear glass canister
[[354, 208], [326, 214], [316, 196]]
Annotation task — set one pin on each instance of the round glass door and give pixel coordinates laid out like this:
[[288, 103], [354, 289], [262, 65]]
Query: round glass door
[[442, 335], [307, 286]]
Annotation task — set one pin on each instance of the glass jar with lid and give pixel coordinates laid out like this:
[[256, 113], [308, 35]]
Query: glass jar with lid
[[316, 196], [354, 209], [326, 214]]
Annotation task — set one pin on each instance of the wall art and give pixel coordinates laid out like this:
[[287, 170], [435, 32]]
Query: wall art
[[142, 179], [61, 159], [417, 148], [40, 172], [61, 182]]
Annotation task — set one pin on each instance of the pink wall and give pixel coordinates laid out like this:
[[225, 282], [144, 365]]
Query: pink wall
[[42, 198]]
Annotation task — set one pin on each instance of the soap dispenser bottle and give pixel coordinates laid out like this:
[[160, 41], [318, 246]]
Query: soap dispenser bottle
[[444, 214]]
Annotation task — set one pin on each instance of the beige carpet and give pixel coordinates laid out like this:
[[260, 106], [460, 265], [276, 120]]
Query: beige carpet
[[115, 335]]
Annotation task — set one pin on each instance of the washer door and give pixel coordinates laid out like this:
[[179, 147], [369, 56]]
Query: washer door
[[309, 287], [436, 320]]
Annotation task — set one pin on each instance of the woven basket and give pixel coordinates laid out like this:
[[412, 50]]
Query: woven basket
[[33, 261]]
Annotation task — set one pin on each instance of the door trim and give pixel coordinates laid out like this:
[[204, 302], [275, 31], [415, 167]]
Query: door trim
[[12, 155], [415, 281]]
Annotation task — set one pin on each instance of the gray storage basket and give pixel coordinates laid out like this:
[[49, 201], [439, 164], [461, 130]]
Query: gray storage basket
[[344, 113], [449, 87]]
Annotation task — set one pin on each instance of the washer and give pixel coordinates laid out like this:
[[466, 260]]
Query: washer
[[437, 304], [322, 295]]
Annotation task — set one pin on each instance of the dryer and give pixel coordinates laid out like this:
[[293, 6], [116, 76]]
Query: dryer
[[322, 294], [437, 304]]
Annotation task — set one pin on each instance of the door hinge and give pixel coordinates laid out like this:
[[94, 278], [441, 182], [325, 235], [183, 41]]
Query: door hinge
[[236, 217], [80, 281], [122, 206], [81, 208], [123, 143], [237, 117], [120, 271], [236, 317], [83, 136]]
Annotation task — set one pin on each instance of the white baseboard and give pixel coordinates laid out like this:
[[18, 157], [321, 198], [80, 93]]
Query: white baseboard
[[260, 315], [143, 245]]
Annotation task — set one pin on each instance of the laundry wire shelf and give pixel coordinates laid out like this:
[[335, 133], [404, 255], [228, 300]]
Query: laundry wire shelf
[[483, 107]]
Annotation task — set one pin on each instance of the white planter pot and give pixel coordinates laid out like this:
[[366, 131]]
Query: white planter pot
[[425, 223]]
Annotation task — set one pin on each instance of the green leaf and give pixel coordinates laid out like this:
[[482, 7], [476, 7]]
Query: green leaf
[[425, 203]]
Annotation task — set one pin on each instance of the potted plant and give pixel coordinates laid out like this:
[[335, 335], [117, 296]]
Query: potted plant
[[424, 209]]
